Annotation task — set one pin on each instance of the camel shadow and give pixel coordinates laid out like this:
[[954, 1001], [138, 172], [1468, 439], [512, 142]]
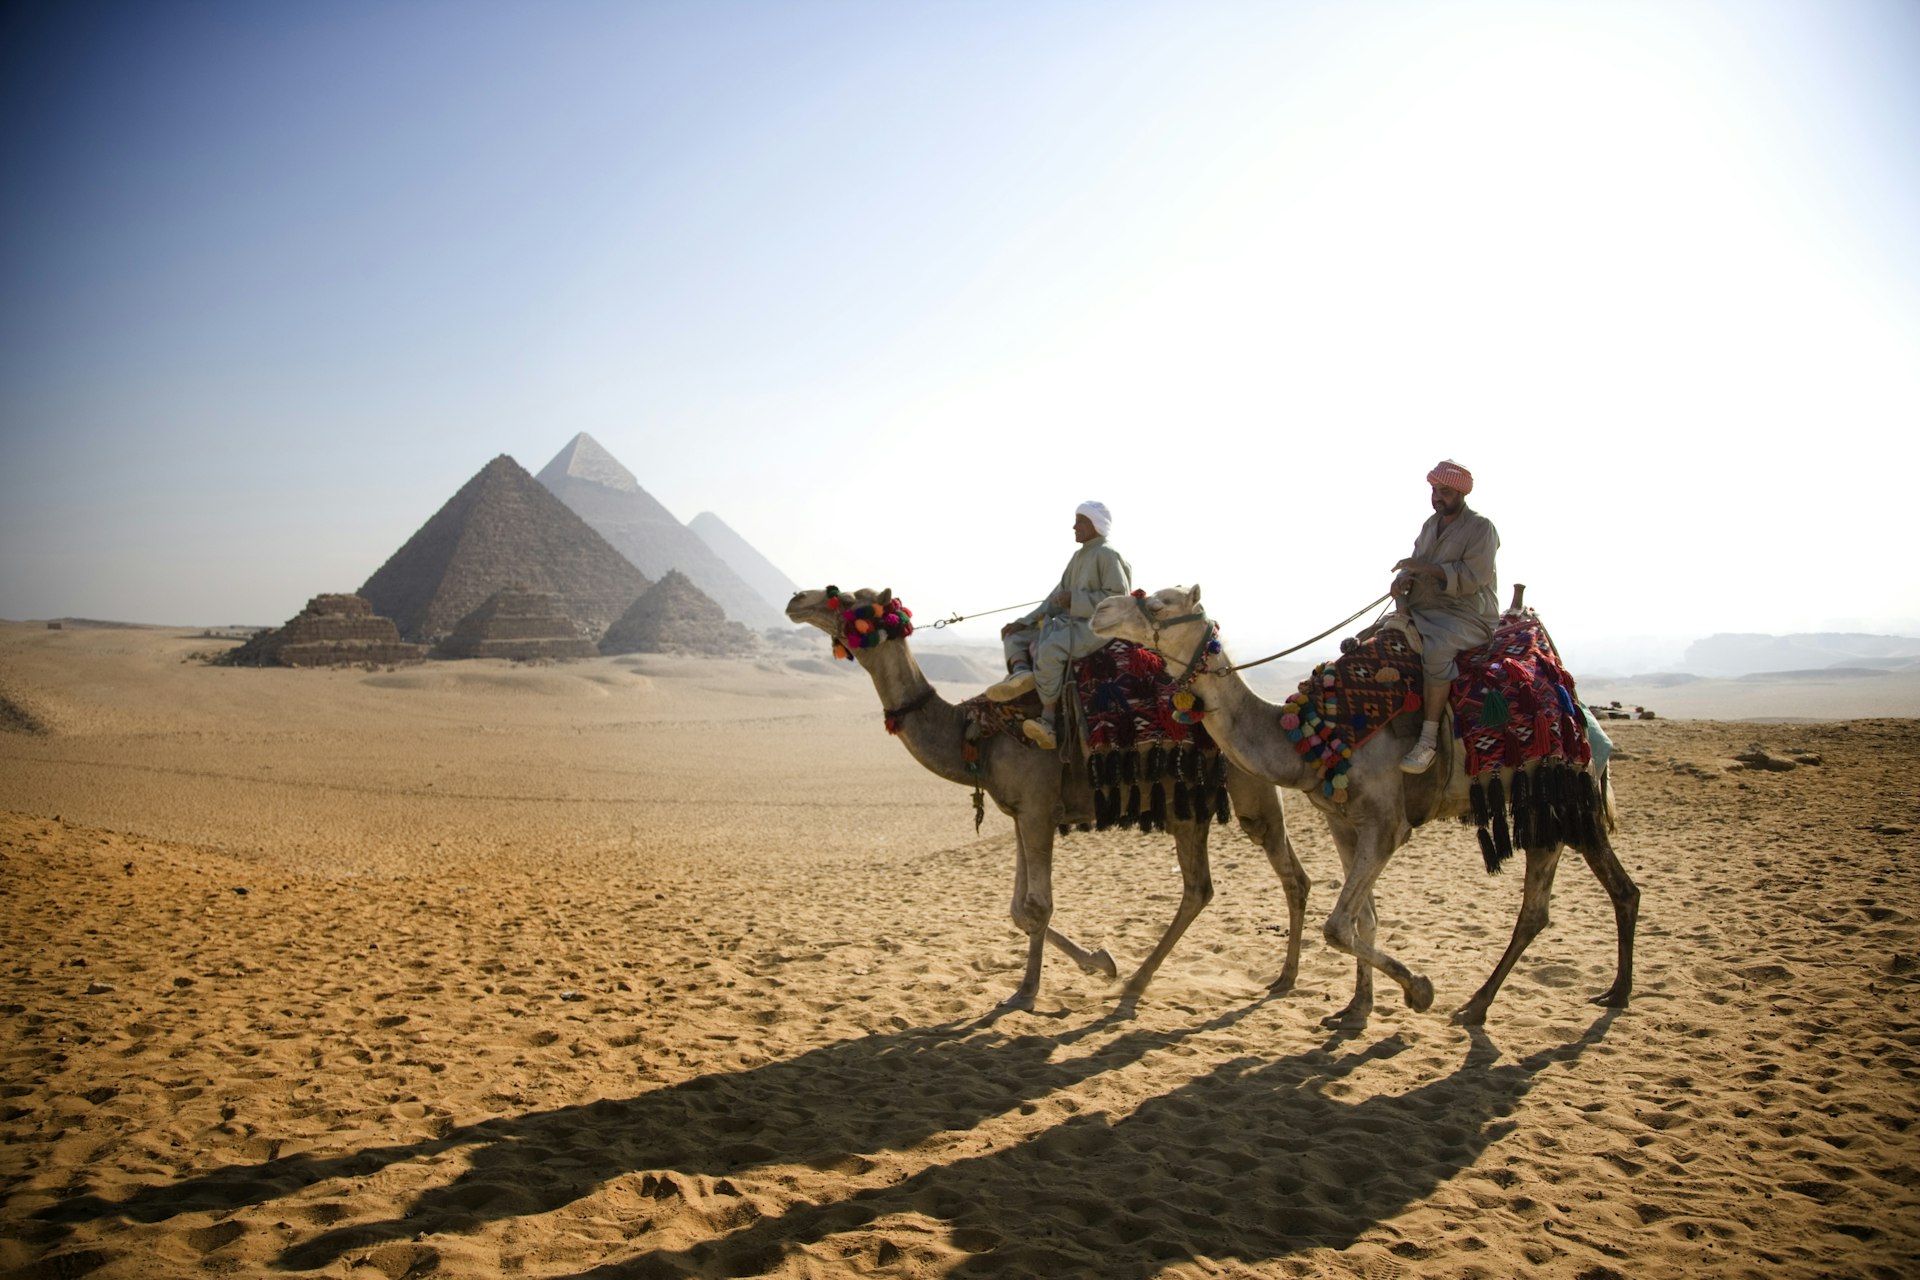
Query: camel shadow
[[1254, 1162], [828, 1109]]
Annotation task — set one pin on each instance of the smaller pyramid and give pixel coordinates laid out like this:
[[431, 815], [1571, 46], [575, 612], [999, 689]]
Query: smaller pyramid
[[519, 625], [334, 630], [674, 616]]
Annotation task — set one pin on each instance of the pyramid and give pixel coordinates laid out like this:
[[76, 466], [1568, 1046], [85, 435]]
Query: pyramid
[[334, 630], [593, 484], [518, 624], [675, 616], [502, 529], [754, 569]]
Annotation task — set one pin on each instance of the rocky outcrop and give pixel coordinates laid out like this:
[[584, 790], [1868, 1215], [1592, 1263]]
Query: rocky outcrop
[[502, 529], [517, 624], [334, 630], [593, 484], [675, 616]]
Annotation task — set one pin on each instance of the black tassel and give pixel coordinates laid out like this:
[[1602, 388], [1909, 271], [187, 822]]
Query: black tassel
[[1217, 773], [1182, 802], [1085, 826], [1497, 812], [1522, 810], [1222, 809], [1093, 771], [1103, 805], [1110, 769], [1545, 830], [1065, 829], [1589, 828], [1487, 854], [1129, 767], [1477, 794], [1159, 805], [1154, 758], [1133, 803]]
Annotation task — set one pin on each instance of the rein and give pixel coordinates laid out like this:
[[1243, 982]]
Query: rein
[[1209, 638]]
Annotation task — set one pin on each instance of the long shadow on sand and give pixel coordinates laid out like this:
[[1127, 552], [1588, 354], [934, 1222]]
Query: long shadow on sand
[[1252, 1162], [828, 1109]]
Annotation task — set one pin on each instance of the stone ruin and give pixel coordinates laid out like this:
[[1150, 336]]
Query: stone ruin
[[334, 630], [675, 616], [517, 624]]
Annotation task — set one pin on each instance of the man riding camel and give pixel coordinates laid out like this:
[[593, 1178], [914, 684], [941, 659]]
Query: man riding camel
[[1449, 588], [1040, 645]]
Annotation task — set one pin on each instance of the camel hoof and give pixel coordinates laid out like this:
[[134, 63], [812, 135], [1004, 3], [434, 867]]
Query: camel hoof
[[1348, 1019], [1420, 995], [1612, 998], [1282, 985], [1018, 1002], [1469, 1016], [1101, 962]]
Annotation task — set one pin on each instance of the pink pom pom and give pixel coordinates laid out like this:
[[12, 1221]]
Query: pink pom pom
[[1289, 721]]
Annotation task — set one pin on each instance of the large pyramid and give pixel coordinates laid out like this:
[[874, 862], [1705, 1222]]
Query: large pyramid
[[592, 482], [759, 573], [674, 616], [502, 529]]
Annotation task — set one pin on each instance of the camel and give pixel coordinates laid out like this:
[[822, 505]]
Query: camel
[[1026, 784], [1382, 807]]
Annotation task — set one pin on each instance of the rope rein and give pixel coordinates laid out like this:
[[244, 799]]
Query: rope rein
[[1242, 666], [962, 617]]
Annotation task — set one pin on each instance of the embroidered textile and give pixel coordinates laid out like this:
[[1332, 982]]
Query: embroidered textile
[[1513, 703], [1346, 701]]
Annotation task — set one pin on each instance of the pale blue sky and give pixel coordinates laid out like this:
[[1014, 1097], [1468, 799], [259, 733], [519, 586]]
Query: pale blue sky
[[891, 287]]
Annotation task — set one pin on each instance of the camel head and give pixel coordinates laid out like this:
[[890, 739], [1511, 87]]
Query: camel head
[[855, 620], [1169, 621]]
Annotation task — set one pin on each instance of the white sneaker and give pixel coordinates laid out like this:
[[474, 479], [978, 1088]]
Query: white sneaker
[[1420, 759], [1040, 734], [1012, 687]]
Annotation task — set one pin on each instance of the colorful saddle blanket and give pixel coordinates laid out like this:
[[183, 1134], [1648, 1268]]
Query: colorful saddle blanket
[[1513, 703], [1346, 701], [1147, 751]]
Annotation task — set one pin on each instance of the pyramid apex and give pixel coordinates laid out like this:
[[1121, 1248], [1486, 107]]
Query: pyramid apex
[[584, 458]]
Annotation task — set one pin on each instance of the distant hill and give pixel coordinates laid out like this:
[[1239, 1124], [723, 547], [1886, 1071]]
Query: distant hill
[[502, 529], [1746, 653], [594, 484], [758, 572]]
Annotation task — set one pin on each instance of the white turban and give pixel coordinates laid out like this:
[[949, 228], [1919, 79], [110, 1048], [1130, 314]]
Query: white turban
[[1098, 513]]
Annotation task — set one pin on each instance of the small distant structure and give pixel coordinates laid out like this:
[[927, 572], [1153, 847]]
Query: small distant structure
[[54, 625], [518, 624], [675, 616], [1614, 711], [334, 630]]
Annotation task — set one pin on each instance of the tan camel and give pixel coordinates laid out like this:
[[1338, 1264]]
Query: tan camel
[[1382, 807], [1026, 784]]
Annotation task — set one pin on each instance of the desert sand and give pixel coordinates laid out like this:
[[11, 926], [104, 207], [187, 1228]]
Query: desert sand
[[650, 967]]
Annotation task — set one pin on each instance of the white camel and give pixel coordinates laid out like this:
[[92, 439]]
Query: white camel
[[1383, 806], [1026, 784]]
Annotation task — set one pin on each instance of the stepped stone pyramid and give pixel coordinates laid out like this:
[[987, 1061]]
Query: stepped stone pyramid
[[674, 616], [502, 529], [755, 569], [333, 630], [592, 483], [519, 624]]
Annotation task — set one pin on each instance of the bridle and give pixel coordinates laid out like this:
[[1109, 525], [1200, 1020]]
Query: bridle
[[1208, 646]]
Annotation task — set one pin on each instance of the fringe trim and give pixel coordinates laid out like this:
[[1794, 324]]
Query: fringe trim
[[1543, 806]]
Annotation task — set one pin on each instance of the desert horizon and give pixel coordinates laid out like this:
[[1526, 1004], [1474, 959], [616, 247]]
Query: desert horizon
[[660, 965]]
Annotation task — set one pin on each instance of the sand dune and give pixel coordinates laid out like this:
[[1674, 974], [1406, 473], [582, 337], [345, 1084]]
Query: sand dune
[[648, 968]]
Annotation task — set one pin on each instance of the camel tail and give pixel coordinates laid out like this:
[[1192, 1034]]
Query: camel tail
[[1609, 815]]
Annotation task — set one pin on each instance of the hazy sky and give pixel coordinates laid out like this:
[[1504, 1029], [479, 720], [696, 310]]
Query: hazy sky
[[890, 287]]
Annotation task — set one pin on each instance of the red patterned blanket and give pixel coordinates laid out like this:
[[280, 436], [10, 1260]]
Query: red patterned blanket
[[1514, 703], [1348, 700]]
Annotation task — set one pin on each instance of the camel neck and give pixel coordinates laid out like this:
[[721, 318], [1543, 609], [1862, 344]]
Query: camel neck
[[934, 731], [1238, 719]]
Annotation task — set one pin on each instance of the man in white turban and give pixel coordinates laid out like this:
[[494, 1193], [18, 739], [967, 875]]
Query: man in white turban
[[1040, 645], [1449, 587]]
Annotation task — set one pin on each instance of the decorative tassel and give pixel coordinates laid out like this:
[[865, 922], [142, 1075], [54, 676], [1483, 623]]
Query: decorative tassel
[[1129, 768], [1154, 758], [1110, 769], [1217, 773], [1545, 830], [1223, 810], [1494, 712], [1182, 802], [1093, 771], [1521, 801], [1497, 811], [1159, 805], [1133, 802], [1477, 795], [1487, 854]]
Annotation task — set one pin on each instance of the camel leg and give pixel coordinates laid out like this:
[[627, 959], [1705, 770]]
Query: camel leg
[[1261, 817], [1541, 865], [1350, 925], [1196, 891], [1359, 1009], [1032, 901], [1626, 913]]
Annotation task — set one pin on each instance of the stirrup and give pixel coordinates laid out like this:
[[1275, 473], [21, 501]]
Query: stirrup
[[1012, 687]]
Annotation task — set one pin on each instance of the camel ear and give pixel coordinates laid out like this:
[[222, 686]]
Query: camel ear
[[1193, 596], [883, 594]]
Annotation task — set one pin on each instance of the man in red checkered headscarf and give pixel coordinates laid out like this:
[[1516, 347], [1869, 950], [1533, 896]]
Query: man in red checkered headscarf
[[1449, 587]]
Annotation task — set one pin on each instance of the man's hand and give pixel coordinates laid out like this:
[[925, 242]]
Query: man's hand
[[1009, 629], [1421, 568]]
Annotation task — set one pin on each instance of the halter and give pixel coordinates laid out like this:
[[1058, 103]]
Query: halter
[[865, 626], [1209, 639]]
